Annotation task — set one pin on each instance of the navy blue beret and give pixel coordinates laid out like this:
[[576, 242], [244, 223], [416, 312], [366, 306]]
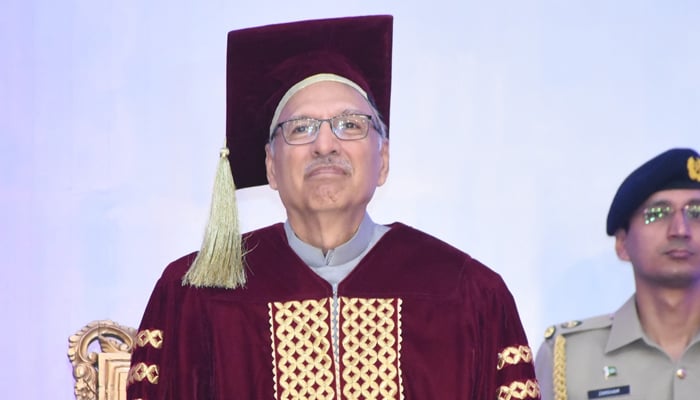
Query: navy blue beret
[[672, 169]]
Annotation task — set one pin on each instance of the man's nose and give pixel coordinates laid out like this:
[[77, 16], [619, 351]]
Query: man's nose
[[679, 225], [326, 142]]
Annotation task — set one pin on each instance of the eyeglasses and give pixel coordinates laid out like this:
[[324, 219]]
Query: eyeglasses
[[305, 130], [663, 211]]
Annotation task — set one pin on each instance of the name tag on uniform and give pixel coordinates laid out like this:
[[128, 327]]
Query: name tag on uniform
[[608, 392]]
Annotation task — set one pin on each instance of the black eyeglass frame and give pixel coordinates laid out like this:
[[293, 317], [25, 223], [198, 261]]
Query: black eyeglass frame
[[316, 124]]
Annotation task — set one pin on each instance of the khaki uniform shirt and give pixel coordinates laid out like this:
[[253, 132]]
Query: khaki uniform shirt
[[610, 357]]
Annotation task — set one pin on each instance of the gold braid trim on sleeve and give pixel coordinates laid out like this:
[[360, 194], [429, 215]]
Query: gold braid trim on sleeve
[[514, 355], [559, 368], [152, 337], [143, 371], [517, 390]]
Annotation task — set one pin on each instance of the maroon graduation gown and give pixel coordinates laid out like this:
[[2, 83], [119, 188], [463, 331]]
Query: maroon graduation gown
[[417, 319]]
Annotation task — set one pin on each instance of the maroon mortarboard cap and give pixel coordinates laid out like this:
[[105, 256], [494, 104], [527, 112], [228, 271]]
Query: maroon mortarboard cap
[[263, 63]]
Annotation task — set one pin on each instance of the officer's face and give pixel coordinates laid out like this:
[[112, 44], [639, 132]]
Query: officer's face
[[663, 240]]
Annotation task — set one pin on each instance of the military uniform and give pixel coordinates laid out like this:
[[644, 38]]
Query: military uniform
[[610, 357]]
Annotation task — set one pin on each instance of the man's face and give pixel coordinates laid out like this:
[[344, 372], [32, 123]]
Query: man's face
[[328, 174], [664, 251]]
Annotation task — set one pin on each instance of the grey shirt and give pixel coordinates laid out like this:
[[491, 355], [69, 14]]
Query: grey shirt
[[337, 263], [610, 357]]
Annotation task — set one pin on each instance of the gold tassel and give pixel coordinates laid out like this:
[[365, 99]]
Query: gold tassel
[[219, 262]]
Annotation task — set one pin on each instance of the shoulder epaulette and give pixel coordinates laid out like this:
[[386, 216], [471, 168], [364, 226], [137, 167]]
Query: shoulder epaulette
[[555, 336], [573, 326]]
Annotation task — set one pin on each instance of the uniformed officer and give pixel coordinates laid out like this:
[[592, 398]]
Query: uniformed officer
[[650, 347]]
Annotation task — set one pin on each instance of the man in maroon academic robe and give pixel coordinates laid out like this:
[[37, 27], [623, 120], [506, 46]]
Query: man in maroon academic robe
[[328, 304]]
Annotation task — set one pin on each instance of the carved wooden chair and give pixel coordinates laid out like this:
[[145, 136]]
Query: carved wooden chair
[[100, 354]]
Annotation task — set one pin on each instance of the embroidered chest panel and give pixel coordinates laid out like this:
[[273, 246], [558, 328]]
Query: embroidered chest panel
[[348, 350]]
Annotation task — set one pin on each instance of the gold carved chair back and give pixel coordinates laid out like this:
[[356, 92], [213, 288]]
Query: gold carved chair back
[[100, 354]]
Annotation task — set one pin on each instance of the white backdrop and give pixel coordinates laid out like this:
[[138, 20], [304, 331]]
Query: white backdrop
[[513, 123]]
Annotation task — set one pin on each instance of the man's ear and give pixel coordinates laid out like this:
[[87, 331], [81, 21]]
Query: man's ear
[[620, 248], [384, 159], [269, 167]]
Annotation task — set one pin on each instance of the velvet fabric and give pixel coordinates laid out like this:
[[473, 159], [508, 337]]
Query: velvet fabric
[[456, 317], [264, 62]]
